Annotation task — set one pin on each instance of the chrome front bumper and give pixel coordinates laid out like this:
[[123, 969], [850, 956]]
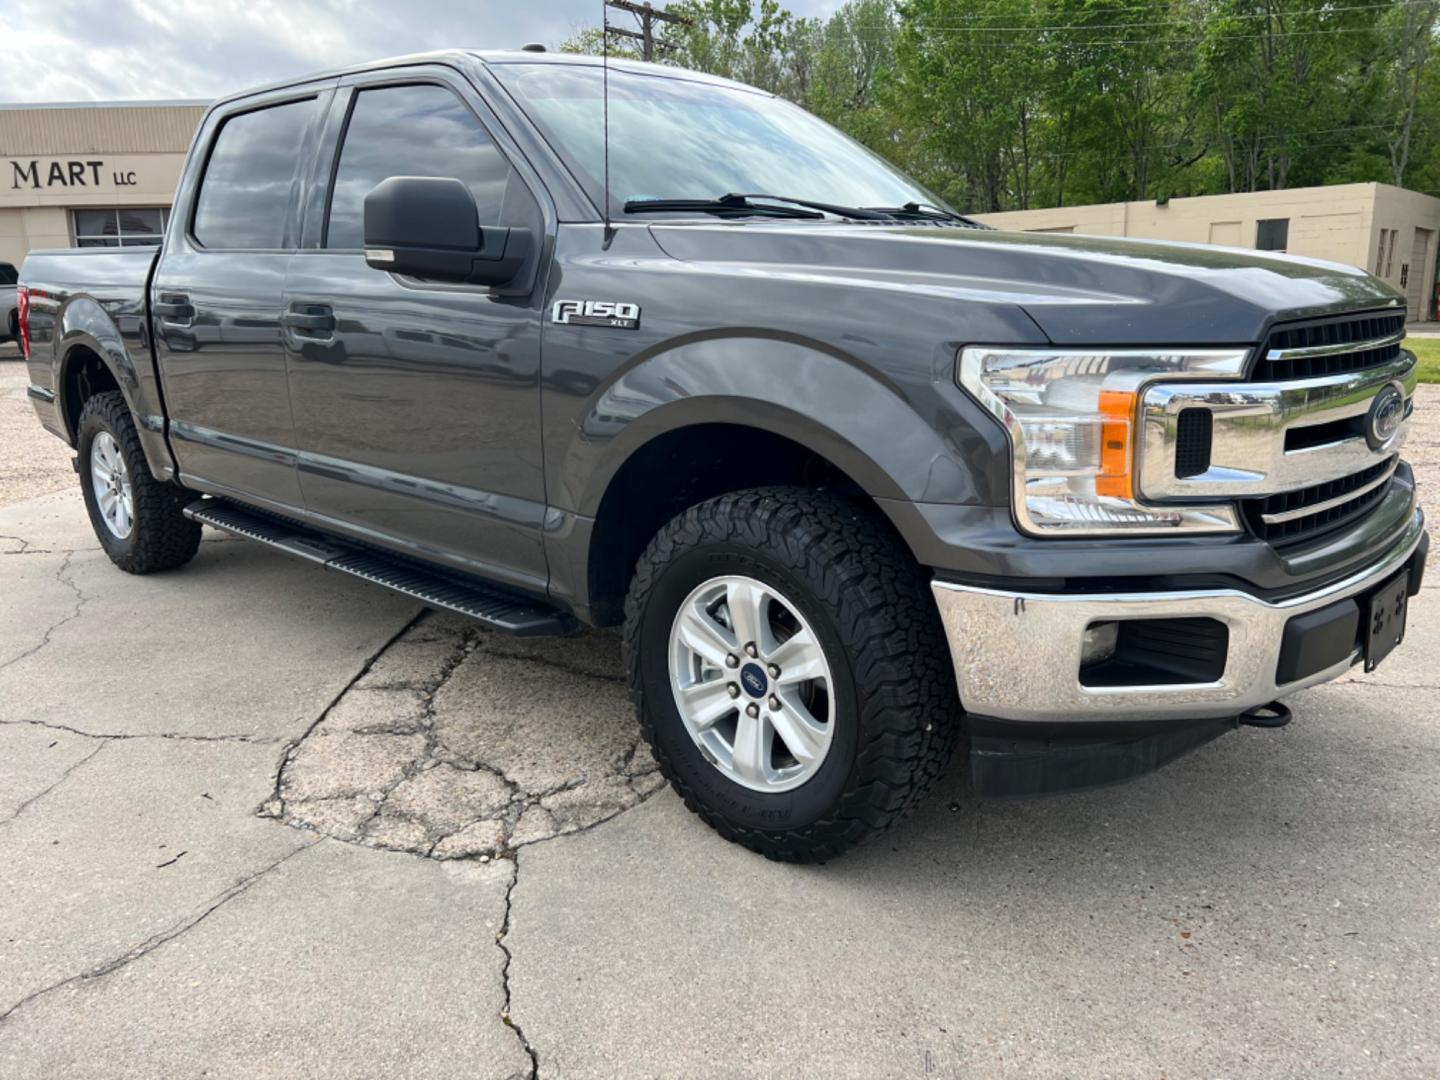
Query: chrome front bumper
[[1017, 655]]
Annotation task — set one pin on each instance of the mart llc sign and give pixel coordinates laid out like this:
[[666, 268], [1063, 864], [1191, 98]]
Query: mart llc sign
[[41, 175]]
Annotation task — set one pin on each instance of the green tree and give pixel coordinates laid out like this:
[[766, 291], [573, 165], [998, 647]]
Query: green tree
[[1002, 104], [1281, 84], [967, 84]]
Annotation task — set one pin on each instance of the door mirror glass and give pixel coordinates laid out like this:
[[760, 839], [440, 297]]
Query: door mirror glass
[[429, 227]]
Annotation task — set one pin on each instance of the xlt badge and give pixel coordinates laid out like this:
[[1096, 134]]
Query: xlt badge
[[617, 316]]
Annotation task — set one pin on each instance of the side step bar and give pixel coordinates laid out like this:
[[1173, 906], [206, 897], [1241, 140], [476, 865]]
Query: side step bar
[[493, 607]]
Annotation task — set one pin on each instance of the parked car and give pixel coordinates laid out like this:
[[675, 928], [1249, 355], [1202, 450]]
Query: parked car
[[855, 475], [9, 305]]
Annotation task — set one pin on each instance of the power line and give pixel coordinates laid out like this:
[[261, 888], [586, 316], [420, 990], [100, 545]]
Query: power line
[[1240, 144], [1192, 41], [647, 17], [1199, 14]]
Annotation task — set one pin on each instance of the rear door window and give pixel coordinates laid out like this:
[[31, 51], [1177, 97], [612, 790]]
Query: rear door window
[[251, 178], [420, 130]]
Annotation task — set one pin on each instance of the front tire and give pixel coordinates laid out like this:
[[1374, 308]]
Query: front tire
[[790, 670], [138, 519]]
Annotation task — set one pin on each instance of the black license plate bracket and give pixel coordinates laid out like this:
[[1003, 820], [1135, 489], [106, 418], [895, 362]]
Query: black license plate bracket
[[1385, 612]]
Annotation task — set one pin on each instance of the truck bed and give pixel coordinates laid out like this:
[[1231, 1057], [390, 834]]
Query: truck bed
[[95, 298]]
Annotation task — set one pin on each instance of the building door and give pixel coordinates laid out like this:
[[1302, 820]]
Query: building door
[[1417, 288]]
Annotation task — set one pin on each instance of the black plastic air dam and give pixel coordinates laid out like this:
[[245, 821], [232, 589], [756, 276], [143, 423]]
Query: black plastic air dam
[[1018, 766]]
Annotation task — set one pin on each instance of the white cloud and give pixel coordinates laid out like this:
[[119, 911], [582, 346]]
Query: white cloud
[[82, 50]]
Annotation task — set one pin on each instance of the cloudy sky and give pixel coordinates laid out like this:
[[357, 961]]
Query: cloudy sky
[[86, 50]]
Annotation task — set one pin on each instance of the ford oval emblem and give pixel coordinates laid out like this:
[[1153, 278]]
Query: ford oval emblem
[[752, 677], [1385, 415]]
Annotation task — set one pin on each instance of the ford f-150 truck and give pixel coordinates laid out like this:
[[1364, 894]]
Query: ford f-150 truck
[[856, 475]]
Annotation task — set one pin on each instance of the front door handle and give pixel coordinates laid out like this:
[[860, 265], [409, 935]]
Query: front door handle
[[310, 320]]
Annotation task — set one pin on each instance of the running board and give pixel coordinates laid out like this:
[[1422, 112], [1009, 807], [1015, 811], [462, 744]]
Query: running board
[[494, 608]]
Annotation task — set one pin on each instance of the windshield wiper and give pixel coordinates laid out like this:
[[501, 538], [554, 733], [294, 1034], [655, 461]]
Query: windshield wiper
[[925, 213], [725, 204], [786, 206], [859, 213]]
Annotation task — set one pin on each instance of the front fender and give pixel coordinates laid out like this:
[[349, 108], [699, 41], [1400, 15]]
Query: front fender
[[904, 433]]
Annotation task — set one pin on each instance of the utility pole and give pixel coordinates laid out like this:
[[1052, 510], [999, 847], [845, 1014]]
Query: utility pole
[[647, 16]]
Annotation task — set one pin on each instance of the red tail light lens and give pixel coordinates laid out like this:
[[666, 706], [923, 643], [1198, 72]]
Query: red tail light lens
[[22, 297]]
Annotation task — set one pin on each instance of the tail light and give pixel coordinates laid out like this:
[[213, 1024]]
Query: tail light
[[22, 298]]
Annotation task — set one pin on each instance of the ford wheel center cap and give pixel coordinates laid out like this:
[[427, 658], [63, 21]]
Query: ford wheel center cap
[[753, 679]]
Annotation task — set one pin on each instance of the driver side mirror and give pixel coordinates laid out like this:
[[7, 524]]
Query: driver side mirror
[[428, 227]]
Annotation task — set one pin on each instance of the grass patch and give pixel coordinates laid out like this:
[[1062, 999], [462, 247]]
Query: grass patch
[[1427, 351]]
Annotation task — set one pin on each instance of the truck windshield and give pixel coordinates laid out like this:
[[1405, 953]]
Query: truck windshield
[[674, 138]]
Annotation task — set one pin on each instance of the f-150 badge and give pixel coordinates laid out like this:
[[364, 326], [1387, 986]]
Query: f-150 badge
[[616, 316]]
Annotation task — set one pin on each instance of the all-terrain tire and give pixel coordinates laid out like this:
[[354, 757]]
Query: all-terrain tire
[[161, 537], [896, 707]]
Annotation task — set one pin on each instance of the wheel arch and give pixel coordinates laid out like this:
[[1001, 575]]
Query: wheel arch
[[91, 356], [83, 373], [640, 497], [706, 414]]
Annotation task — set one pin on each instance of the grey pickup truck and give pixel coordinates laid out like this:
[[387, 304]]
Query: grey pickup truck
[[856, 476]]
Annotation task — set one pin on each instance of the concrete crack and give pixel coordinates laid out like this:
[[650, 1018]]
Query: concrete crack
[[63, 777], [80, 601], [107, 736], [492, 649], [24, 544], [505, 1017], [275, 805], [149, 945], [439, 748], [1388, 685]]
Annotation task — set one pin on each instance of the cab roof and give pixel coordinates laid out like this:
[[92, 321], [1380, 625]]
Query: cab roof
[[461, 57]]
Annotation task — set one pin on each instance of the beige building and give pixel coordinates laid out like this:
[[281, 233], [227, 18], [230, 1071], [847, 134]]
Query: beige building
[[1389, 231], [90, 174]]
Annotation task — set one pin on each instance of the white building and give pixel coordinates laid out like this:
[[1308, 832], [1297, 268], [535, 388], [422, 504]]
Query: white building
[[90, 173], [1387, 230]]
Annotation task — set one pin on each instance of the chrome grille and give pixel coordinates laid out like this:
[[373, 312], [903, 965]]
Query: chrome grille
[[1295, 517], [1331, 346], [1291, 441]]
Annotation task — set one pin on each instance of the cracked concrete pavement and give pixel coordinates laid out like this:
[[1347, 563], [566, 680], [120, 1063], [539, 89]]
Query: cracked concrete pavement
[[259, 820], [458, 743]]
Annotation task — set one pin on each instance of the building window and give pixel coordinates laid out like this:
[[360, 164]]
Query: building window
[[1272, 234], [125, 226], [1385, 257]]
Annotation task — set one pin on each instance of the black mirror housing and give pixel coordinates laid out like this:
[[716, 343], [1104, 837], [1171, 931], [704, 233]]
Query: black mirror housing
[[428, 227]]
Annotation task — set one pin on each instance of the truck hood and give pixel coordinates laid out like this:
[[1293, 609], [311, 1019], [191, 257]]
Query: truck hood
[[1078, 289]]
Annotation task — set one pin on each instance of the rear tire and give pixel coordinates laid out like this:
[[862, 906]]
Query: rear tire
[[137, 518], [882, 720]]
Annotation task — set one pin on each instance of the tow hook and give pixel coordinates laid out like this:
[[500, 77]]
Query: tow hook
[[1274, 715]]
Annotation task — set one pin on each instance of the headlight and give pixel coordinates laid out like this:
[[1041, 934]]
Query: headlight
[[1071, 417]]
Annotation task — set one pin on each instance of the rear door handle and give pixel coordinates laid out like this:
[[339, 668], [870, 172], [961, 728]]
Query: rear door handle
[[310, 320], [173, 307]]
